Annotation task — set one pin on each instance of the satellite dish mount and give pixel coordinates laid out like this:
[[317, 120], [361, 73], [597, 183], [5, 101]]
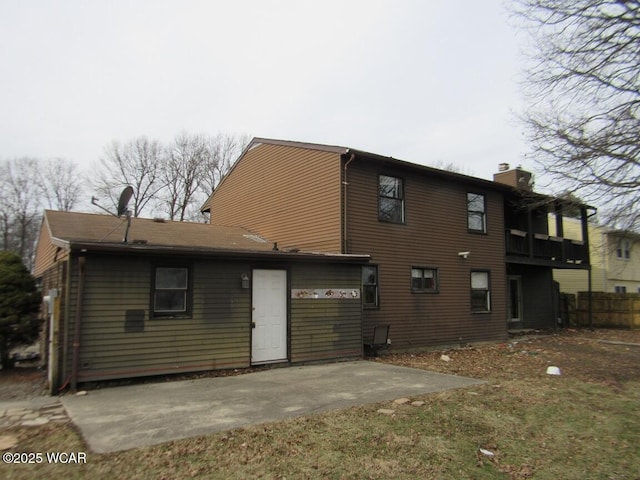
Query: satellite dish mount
[[123, 203]]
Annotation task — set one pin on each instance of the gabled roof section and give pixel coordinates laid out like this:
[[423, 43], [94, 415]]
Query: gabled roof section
[[97, 232], [288, 143], [366, 156], [257, 141], [391, 162]]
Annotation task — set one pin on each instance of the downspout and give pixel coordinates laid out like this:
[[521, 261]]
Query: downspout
[[65, 376], [76, 326], [345, 185], [345, 241]]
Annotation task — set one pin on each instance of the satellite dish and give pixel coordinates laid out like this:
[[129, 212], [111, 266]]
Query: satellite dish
[[125, 197]]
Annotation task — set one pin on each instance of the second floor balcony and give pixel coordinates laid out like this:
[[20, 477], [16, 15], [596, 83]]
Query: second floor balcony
[[542, 249]]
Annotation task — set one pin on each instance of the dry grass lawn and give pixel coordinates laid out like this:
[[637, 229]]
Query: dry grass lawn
[[584, 424]]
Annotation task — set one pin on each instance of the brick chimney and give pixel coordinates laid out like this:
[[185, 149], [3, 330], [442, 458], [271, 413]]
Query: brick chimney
[[514, 177]]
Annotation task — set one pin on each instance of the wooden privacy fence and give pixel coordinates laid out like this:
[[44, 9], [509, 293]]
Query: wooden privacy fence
[[611, 310]]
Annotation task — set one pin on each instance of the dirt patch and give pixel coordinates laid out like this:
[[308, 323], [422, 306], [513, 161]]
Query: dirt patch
[[22, 383], [577, 353]]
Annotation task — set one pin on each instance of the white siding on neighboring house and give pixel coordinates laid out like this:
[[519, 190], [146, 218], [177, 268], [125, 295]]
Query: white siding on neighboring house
[[611, 266], [623, 262]]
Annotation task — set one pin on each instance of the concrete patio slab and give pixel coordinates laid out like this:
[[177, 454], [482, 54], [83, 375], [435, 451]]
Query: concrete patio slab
[[122, 418]]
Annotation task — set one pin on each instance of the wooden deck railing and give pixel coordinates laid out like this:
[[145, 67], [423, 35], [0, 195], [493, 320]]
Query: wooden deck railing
[[544, 247]]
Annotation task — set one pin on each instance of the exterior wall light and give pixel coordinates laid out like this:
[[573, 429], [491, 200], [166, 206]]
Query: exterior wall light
[[244, 280]]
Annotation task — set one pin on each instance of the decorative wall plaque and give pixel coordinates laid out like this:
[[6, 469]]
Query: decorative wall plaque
[[326, 293]]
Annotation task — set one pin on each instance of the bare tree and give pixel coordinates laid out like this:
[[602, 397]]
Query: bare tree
[[137, 163], [583, 87], [60, 184], [174, 180], [183, 172], [224, 150], [20, 207], [27, 186]]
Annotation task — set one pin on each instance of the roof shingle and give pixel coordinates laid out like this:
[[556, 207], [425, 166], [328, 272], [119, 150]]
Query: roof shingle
[[72, 227]]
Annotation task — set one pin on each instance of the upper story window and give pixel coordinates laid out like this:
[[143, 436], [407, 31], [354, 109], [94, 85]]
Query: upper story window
[[390, 199], [624, 249], [620, 289], [171, 291], [370, 286], [476, 213], [424, 280]]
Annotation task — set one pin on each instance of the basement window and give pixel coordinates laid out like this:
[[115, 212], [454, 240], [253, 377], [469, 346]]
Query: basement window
[[171, 291]]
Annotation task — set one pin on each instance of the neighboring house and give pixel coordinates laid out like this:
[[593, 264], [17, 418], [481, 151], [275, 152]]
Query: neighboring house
[[615, 261], [181, 297], [442, 270]]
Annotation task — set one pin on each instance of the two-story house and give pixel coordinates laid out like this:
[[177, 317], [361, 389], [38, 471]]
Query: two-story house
[[615, 261], [442, 270]]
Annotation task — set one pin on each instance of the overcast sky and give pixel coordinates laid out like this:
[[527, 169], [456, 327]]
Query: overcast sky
[[424, 81]]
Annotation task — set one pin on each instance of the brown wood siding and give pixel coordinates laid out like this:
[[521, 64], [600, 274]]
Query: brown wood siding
[[286, 194], [434, 232], [46, 253], [322, 328], [215, 336]]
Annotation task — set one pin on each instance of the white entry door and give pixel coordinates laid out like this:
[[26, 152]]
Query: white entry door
[[269, 319]]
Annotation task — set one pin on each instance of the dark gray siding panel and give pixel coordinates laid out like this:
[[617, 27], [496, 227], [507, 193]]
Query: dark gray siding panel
[[120, 339], [434, 232], [538, 299], [325, 328]]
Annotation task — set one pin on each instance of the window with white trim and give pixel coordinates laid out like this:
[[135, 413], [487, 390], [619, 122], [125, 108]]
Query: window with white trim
[[624, 249]]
